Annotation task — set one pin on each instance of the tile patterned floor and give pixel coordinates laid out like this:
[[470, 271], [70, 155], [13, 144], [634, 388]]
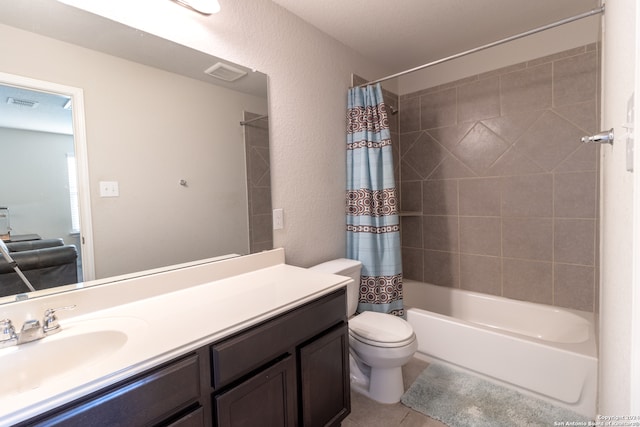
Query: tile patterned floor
[[368, 413]]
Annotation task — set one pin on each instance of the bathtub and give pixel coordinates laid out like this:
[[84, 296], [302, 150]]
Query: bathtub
[[544, 351]]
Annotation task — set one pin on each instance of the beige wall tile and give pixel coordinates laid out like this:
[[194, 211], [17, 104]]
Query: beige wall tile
[[481, 236], [575, 79], [526, 90], [527, 196], [527, 280], [479, 100], [527, 238], [479, 274], [438, 109], [480, 197], [442, 268], [574, 195], [574, 286], [440, 197], [574, 241], [440, 232]]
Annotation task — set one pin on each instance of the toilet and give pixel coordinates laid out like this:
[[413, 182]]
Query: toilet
[[379, 343]]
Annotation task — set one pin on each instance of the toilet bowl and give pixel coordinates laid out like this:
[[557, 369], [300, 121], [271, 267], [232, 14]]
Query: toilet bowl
[[379, 343]]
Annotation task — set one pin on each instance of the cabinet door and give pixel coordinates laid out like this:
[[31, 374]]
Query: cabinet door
[[267, 399], [324, 377]]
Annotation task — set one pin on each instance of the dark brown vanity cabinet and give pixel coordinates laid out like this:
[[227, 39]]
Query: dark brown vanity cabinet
[[291, 370], [299, 361]]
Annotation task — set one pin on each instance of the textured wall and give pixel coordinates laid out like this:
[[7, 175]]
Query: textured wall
[[503, 195]]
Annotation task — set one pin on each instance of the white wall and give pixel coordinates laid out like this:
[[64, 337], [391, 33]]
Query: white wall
[[34, 183], [618, 253], [309, 75]]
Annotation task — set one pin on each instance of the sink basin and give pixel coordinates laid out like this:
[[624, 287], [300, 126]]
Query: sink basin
[[76, 350]]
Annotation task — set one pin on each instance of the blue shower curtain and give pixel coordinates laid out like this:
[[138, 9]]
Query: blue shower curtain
[[373, 229]]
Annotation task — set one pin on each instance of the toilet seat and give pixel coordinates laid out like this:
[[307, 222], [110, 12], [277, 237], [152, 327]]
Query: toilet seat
[[381, 330]]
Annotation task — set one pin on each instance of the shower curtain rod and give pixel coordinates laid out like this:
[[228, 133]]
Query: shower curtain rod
[[255, 119], [487, 46]]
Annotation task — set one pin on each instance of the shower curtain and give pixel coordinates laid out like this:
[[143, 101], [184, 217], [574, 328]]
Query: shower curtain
[[373, 229]]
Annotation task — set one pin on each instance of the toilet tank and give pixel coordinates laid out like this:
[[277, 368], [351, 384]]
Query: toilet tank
[[345, 267]]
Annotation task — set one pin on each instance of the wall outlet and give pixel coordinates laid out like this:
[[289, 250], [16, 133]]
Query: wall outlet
[[109, 189], [278, 219]]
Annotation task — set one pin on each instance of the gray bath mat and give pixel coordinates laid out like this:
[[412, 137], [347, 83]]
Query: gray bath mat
[[459, 399]]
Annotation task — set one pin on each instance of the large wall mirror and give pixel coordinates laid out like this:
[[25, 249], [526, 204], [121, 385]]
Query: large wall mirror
[[177, 160]]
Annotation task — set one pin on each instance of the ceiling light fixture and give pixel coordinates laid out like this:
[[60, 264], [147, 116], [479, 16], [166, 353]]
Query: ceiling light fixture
[[206, 7]]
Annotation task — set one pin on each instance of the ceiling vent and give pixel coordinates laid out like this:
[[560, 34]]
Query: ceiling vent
[[22, 102], [225, 72]]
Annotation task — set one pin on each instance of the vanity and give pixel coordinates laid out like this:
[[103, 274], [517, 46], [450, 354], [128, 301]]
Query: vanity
[[246, 341]]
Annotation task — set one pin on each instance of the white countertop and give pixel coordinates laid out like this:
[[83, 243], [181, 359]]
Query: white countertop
[[162, 327]]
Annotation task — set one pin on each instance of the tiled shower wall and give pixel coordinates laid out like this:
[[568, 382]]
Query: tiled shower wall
[[498, 193], [256, 135]]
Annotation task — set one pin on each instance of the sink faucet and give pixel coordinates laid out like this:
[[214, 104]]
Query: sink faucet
[[31, 329]]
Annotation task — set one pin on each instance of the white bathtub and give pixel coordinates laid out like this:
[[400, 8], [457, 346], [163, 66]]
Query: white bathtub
[[545, 351]]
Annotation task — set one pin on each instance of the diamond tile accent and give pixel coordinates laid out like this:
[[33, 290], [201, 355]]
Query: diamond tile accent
[[480, 148], [583, 115], [585, 158], [450, 136], [451, 168], [511, 127], [425, 155], [549, 141], [513, 163]]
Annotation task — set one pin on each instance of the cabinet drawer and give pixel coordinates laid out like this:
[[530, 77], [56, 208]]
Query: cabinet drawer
[[149, 398], [247, 351]]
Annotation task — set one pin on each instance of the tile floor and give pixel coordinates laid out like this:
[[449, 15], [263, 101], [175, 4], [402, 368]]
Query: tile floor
[[368, 413]]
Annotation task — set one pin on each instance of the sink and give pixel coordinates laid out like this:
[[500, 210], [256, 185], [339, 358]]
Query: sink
[[75, 351]]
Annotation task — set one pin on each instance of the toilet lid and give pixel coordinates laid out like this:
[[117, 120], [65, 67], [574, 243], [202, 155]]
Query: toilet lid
[[380, 329]]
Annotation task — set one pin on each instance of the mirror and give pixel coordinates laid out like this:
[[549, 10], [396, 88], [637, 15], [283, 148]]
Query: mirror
[[192, 180]]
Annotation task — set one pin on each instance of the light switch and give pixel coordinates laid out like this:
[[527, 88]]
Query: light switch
[[278, 219], [109, 189]]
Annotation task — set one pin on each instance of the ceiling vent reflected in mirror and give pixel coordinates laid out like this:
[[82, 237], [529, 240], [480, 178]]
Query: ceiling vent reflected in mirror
[[225, 72], [22, 102]]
